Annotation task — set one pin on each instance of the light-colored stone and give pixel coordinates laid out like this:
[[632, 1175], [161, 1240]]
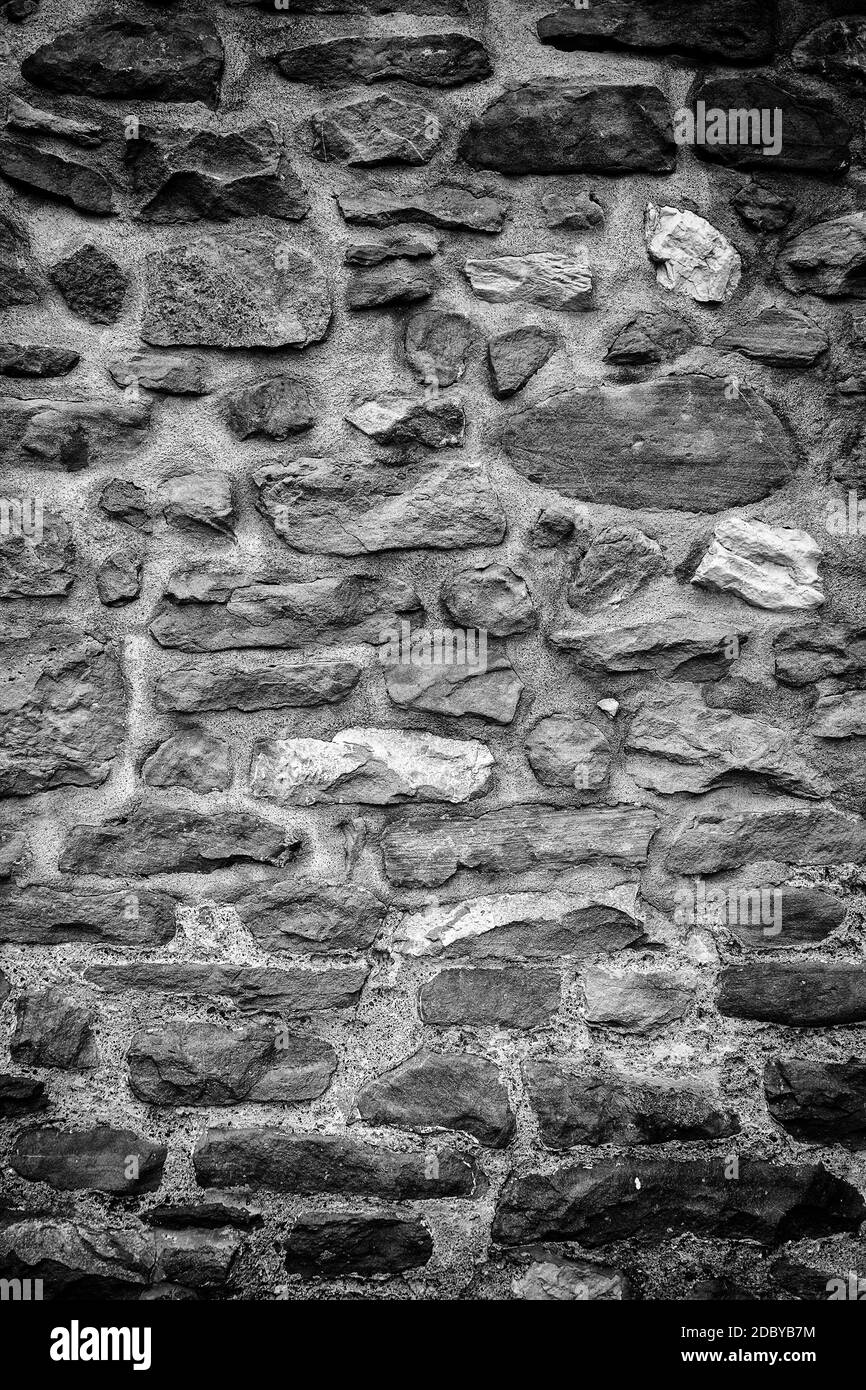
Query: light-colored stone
[[769, 567], [550, 278], [692, 257], [570, 1281], [636, 1003], [840, 716]]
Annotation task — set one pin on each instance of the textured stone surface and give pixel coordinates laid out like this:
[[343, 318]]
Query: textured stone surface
[[618, 561], [447, 205], [801, 994], [100, 1159], [819, 1102], [567, 752], [169, 373], [20, 282], [708, 843], [548, 278], [490, 689], [406, 421], [36, 359], [836, 50], [45, 915], [92, 284], [53, 171], [649, 337], [66, 436], [260, 989], [840, 716], [191, 758], [77, 1259], [316, 917], [234, 685], [384, 130], [275, 407], [810, 133], [199, 501], [636, 1003], [739, 33], [516, 356], [427, 60], [678, 647], [769, 567], [152, 839], [203, 1064], [492, 597], [52, 1031], [118, 579], [507, 998], [438, 1090], [31, 567], [762, 207], [813, 651], [692, 257], [826, 259], [324, 1245], [553, 1280], [781, 337]]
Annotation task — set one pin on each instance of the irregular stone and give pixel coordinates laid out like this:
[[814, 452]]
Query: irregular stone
[[649, 337], [691, 256], [741, 34], [13, 853], [489, 688], [800, 994], [581, 1105], [508, 998], [196, 501], [574, 210], [92, 284], [375, 767], [636, 1003], [168, 373], [383, 130], [121, 57], [836, 51], [369, 7], [234, 291], [711, 842], [76, 1260], [231, 685], [636, 446], [66, 436], [123, 501], [394, 282], [685, 745], [567, 752], [204, 1064], [37, 554], [531, 926], [63, 714], [20, 283], [781, 337], [192, 759], [18, 1095], [818, 1102], [492, 597], [36, 359], [401, 242], [54, 171], [678, 648], [805, 915], [310, 917], [619, 561], [51, 1030], [435, 423], [807, 133], [43, 915], [812, 652], [149, 839], [313, 1163], [514, 357], [185, 173], [197, 1259], [827, 258], [762, 207], [274, 407], [118, 579], [325, 1245], [426, 60], [202, 611], [570, 1281], [214, 1210], [654, 1199], [840, 716], [100, 1159], [438, 1090], [252, 988], [429, 848], [549, 278], [553, 526], [769, 567], [437, 345], [557, 126], [20, 115], [446, 205], [5, 988]]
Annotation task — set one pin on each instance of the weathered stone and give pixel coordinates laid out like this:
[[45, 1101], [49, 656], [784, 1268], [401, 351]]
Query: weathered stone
[[618, 562], [814, 651], [514, 357], [20, 115], [827, 259], [368, 7], [762, 207], [564, 751], [396, 242], [196, 1259], [404, 421], [36, 359], [654, 1199], [231, 685], [489, 688], [43, 915], [123, 501], [92, 284], [383, 130], [20, 282], [375, 767], [549, 278], [581, 1105], [203, 611], [76, 1260], [185, 173], [804, 915], [149, 839], [636, 1003], [649, 337], [781, 337], [573, 209], [692, 257], [711, 842], [325, 1245], [840, 716], [274, 407], [836, 51], [508, 998], [426, 60], [51, 1030], [818, 1102], [553, 526], [294, 993], [801, 994], [806, 132], [446, 205], [19, 1095], [192, 759], [492, 597], [738, 34], [769, 567], [438, 1090], [13, 852], [678, 647], [636, 446], [118, 579], [168, 373], [34, 565], [63, 715], [66, 436], [5, 988], [394, 282], [54, 171], [685, 745], [314, 1163], [216, 1209], [437, 345], [558, 127], [99, 1159], [204, 1064], [430, 848], [570, 1281], [310, 917], [199, 501], [120, 57], [234, 291]]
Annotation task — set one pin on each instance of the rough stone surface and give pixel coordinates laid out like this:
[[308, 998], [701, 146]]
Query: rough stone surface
[[799, 994], [331, 1246], [451, 206], [516, 356], [507, 998], [709, 843], [310, 917], [438, 1090], [54, 171], [52, 1031], [678, 647], [781, 337], [692, 256], [259, 989], [152, 839], [96, 1159], [741, 34], [65, 436], [548, 278], [118, 579], [818, 1102], [826, 259], [203, 1064], [276, 408], [205, 686], [384, 130], [437, 345], [44, 915], [489, 688], [811, 134], [36, 359], [567, 752], [192, 759], [492, 597], [769, 567], [427, 60], [633, 1003]]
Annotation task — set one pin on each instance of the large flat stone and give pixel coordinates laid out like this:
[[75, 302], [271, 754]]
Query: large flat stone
[[740, 32], [301, 917], [439, 1090], [811, 135], [202, 686], [154, 839], [205, 1064], [426, 60], [325, 1245], [100, 1159], [826, 259], [817, 1101], [510, 997], [43, 915], [800, 994], [292, 993], [677, 647], [446, 205], [66, 436], [713, 841]]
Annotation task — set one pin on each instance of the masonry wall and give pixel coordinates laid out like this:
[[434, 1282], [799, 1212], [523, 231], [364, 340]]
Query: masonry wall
[[331, 964]]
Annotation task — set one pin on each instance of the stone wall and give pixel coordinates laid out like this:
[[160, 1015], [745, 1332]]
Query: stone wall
[[336, 962]]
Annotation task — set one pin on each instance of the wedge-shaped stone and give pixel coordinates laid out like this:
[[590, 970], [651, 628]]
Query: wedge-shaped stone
[[828, 258], [630, 1002], [203, 686], [439, 1090], [375, 767], [20, 115], [675, 444], [325, 507], [408, 421], [324, 1245], [511, 997], [426, 60], [304, 917], [204, 1064], [679, 647], [65, 436], [445, 205], [801, 994], [778, 336], [77, 1260], [806, 132], [739, 33], [430, 848], [97, 1160], [549, 278], [769, 567], [42, 915], [383, 130], [559, 127], [818, 1102], [294, 993], [714, 841], [155, 839], [50, 169], [692, 256], [490, 688]]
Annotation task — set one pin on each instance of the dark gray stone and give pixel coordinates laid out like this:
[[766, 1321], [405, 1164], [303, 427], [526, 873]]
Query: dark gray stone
[[153, 839], [836, 51], [445, 205], [275, 407], [310, 917], [426, 60], [36, 359], [394, 282], [123, 501], [492, 597], [34, 565], [478, 997], [488, 687], [325, 1245], [564, 751], [231, 685], [382, 130], [192, 759], [20, 282], [100, 1159], [397, 241], [44, 915], [64, 436], [617, 563], [713, 841], [199, 502], [738, 33], [799, 994], [53, 170], [51, 1030], [92, 284], [827, 258], [438, 1090], [77, 1260], [169, 373], [649, 337], [762, 207], [813, 136], [205, 1064], [293, 993], [118, 579], [678, 647], [818, 1102], [810, 652], [514, 357]]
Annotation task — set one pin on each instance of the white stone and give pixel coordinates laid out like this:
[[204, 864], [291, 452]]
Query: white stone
[[609, 707], [542, 277], [692, 257], [769, 567]]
